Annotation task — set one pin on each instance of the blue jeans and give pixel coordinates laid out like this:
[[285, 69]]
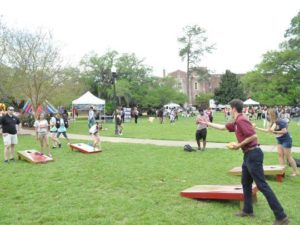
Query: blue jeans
[[91, 122], [252, 170]]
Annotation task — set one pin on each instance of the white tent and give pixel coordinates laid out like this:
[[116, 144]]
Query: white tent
[[88, 99], [171, 105], [250, 101]]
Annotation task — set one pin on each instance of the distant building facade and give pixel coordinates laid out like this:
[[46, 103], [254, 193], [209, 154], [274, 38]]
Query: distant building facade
[[207, 84]]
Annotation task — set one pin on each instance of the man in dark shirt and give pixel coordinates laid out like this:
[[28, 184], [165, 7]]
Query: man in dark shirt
[[9, 124], [252, 168]]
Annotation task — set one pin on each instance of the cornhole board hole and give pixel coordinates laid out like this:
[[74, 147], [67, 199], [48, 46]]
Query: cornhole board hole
[[34, 156], [218, 192], [84, 148], [271, 170]]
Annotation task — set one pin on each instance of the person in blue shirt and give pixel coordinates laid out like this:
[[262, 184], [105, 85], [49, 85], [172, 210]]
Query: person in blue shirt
[[62, 125], [279, 127]]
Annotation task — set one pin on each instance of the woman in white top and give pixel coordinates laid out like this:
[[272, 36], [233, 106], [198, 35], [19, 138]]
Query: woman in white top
[[94, 132], [41, 128]]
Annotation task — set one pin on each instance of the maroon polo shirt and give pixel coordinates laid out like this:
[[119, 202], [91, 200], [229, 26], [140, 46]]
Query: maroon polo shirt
[[243, 129]]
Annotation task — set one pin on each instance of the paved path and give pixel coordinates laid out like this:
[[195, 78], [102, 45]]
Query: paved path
[[266, 148]]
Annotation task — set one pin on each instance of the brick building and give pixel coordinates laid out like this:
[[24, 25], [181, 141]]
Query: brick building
[[207, 85]]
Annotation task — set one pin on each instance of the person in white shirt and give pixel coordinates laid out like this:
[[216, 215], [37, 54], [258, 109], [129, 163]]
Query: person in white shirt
[[41, 128], [91, 117], [94, 132]]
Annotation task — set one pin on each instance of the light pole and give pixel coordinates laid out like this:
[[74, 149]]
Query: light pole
[[114, 77]]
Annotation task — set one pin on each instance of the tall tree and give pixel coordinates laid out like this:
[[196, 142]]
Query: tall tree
[[194, 46], [230, 88], [34, 61], [276, 80]]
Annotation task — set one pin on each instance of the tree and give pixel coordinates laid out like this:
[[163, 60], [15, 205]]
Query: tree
[[276, 80], [230, 88], [194, 47], [34, 62], [202, 100]]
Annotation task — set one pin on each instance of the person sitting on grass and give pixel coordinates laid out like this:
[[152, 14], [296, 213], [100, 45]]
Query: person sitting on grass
[[94, 132], [41, 129]]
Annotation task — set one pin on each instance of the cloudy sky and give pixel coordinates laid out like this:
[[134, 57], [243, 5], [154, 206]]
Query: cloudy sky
[[242, 30]]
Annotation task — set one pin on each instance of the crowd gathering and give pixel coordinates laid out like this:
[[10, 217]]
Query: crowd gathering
[[239, 119]]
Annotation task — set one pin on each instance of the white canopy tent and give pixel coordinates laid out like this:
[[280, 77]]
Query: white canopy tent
[[250, 101], [87, 100], [171, 105]]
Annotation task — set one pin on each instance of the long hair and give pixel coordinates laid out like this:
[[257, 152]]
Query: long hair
[[272, 115]]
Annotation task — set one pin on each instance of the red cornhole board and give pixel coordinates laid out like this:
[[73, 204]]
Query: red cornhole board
[[84, 148], [218, 192], [277, 170], [34, 156]]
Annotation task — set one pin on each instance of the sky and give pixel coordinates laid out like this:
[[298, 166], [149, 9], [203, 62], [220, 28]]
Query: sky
[[242, 30]]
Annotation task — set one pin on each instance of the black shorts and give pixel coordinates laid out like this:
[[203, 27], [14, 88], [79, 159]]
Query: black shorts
[[201, 134]]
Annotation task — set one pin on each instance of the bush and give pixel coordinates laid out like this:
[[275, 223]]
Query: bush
[[27, 120]]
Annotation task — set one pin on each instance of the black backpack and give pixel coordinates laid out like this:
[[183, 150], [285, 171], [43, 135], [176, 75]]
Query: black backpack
[[188, 148]]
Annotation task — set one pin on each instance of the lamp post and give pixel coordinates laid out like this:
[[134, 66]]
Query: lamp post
[[114, 77]]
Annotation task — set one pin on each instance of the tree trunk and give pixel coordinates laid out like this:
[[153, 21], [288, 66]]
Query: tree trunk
[[188, 78]]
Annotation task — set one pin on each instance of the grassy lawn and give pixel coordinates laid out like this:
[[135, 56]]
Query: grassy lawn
[[130, 184], [183, 129]]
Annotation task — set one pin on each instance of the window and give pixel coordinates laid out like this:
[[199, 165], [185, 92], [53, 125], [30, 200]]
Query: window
[[196, 85]]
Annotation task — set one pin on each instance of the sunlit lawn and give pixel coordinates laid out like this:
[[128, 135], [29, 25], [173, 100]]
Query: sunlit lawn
[[130, 184], [183, 129]]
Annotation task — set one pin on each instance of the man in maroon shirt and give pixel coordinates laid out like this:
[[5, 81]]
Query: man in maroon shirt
[[252, 168]]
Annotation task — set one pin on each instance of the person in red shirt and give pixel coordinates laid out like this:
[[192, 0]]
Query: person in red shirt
[[252, 168]]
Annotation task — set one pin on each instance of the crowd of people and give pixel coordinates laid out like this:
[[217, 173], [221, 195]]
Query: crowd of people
[[239, 120]]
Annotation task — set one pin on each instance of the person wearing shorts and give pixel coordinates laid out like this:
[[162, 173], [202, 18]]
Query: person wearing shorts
[[10, 125], [53, 132], [201, 131], [41, 129], [279, 127], [61, 128], [94, 132]]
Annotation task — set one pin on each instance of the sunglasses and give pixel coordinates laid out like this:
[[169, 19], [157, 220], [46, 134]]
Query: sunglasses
[[10, 110]]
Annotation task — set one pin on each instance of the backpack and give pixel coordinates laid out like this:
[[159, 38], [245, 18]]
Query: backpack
[[66, 122], [57, 123], [297, 162], [188, 148]]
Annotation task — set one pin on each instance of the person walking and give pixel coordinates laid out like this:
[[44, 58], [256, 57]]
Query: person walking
[[91, 117], [41, 129], [10, 127], [252, 168], [53, 131], [62, 125], [279, 127]]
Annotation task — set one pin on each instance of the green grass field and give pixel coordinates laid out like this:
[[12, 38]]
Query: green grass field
[[130, 184], [183, 129]]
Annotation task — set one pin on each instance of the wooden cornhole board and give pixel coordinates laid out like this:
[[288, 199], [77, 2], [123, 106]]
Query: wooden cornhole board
[[34, 156], [277, 170], [84, 148], [218, 192]]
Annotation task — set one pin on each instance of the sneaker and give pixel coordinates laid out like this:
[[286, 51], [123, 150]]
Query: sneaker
[[12, 160], [59, 145], [6, 161], [243, 214], [53, 147], [284, 221]]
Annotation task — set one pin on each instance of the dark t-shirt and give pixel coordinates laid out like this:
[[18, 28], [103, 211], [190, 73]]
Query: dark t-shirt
[[243, 129], [9, 124]]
